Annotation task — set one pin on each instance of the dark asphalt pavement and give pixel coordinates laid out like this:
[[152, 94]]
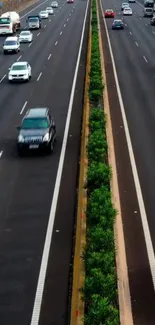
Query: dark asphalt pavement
[[133, 50], [27, 184]]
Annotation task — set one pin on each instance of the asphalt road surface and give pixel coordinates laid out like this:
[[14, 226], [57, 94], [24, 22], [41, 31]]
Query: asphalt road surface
[[27, 184], [133, 50]]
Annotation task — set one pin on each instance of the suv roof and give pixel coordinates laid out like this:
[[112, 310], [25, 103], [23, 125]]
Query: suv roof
[[37, 112]]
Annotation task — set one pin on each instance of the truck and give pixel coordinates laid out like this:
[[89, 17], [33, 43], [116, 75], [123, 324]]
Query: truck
[[148, 8], [33, 22], [9, 23]]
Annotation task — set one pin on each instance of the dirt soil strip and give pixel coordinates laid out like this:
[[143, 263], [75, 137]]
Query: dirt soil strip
[[123, 281], [77, 305]]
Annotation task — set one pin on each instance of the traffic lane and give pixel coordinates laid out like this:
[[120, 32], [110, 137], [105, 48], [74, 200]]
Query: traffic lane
[[137, 97], [14, 96], [7, 60], [58, 283], [137, 84], [28, 184]]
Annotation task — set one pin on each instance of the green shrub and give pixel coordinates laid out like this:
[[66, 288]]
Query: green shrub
[[97, 146], [98, 175]]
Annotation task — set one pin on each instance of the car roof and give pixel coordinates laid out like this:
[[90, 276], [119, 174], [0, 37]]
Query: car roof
[[118, 20], [37, 112], [23, 31], [20, 63], [12, 38]]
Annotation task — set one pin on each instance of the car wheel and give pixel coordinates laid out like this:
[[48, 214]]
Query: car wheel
[[51, 147]]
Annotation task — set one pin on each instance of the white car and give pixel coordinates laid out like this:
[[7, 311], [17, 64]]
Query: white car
[[43, 14], [19, 71], [50, 10], [54, 4], [25, 37], [11, 44], [124, 5], [127, 12]]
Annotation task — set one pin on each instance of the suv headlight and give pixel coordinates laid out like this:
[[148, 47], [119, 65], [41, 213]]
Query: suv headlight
[[20, 138], [46, 137]]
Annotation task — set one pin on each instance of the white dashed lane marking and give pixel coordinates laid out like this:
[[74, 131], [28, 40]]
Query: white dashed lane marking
[[145, 59], [2, 78], [40, 74], [56, 42], [49, 57], [22, 110], [60, 33]]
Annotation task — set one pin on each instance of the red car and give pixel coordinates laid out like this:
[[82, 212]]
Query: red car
[[109, 13], [70, 1]]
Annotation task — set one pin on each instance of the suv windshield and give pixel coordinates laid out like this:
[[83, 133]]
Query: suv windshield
[[24, 33], [35, 123], [10, 42], [19, 67]]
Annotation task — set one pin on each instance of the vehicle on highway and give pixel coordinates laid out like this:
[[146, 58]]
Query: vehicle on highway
[[148, 12], [109, 13], [9, 22], [11, 45], [127, 12], [50, 10], [152, 21], [124, 5], [70, 1], [37, 131], [19, 71], [43, 14], [33, 22], [54, 4], [25, 37], [132, 1], [118, 24]]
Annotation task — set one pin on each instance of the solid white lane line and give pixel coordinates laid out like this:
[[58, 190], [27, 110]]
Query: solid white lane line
[[60, 33], [1, 153], [56, 42], [22, 110], [136, 44], [30, 44], [145, 59], [143, 215], [2, 78], [38, 34], [130, 33], [49, 57], [49, 233], [40, 74], [64, 25], [19, 58]]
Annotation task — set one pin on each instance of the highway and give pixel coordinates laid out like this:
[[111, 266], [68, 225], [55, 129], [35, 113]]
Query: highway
[[27, 185], [133, 49]]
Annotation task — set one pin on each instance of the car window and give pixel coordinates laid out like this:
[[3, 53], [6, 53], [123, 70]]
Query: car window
[[35, 123]]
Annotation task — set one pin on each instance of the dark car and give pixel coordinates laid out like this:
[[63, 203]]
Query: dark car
[[117, 24], [152, 21], [37, 131]]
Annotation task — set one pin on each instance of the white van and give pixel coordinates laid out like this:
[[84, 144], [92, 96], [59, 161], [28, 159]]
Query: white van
[[11, 44]]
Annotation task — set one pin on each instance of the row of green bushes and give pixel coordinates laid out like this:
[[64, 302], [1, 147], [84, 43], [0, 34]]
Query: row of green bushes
[[100, 288]]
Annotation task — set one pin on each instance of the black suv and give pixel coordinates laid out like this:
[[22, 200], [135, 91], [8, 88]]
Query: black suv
[[37, 131]]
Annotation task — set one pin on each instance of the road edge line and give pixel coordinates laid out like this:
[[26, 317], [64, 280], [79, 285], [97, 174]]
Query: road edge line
[[77, 303], [125, 309]]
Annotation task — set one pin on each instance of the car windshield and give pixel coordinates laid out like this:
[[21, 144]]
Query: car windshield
[[35, 123], [19, 67], [117, 22], [10, 42], [24, 33], [48, 8], [43, 12], [109, 10], [33, 19], [148, 10]]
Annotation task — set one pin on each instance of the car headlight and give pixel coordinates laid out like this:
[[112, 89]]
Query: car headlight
[[20, 138], [46, 137]]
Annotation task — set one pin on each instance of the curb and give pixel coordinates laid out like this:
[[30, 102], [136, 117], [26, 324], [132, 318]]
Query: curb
[[77, 304], [125, 309]]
